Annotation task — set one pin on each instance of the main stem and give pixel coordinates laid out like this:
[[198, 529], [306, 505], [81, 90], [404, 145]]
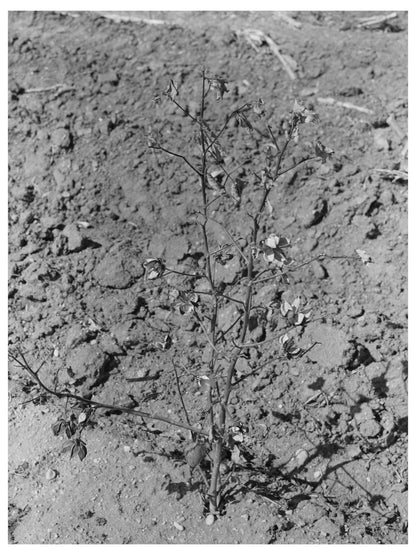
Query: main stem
[[214, 493]]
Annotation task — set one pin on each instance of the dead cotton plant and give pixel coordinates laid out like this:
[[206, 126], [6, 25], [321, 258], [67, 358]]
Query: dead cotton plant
[[260, 258], [217, 440]]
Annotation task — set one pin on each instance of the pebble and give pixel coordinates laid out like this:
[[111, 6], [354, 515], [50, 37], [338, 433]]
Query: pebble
[[179, 526], [301, 457], [76, 242], [387, 197], [313, 213], [118, 270], [381, 141], [51, 474], [209, 521], [61, 139], [355, 311], [311, 243], [319, 270]]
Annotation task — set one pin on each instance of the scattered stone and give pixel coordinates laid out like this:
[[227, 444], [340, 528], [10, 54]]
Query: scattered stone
[[319, 270], [76, 335], [297, 460], [76, 242], [130, 333], [352, 451], [355, 311], [372, 231], [301, 457], [349, 170], [109, 345], [311, 213], [26, 217], [110, 77], [61, 139], [257, 334], [367, 424], [311, 243], [381, 141], [309, 512], [387, 197], [88, 363], [178, 526], [32, 292], [120, 303], [50, 222], [51, 474], [118, 270], [326, 527], [36, 164], [210, 519]]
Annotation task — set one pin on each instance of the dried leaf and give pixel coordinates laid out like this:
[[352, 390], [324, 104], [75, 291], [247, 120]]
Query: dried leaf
[[171, 90], [322, 151], [220, 86]]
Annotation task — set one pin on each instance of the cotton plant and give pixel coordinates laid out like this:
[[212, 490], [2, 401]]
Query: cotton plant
[[263, 258]]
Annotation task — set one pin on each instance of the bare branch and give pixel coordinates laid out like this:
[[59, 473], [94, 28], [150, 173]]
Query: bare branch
[[163, 149], [87, 402]]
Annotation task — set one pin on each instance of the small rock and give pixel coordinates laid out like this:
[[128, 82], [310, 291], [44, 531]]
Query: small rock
[[387, 197], [50, 222], [179, 526], [319, 270], [76, 335], [118, 270], [367, 424], [61, 138], [88, 363], [257, 334], [311, 243], [51, 474], [210, 519], [26, 217], [129, 333], [109, 77], [76, 242], [109, 345], [349, 170], [313, 214], [355, 311], [327, 527], [301, 457], [353, 451], [309, 512], [381, 140]]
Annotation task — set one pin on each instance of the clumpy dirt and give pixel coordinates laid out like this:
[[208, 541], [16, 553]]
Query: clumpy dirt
[[325, 443]]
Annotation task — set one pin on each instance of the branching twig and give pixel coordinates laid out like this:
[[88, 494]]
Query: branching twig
[[177, 155], [87, 402]]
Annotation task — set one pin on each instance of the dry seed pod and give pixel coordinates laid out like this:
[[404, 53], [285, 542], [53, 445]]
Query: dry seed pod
[[195, 454]]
